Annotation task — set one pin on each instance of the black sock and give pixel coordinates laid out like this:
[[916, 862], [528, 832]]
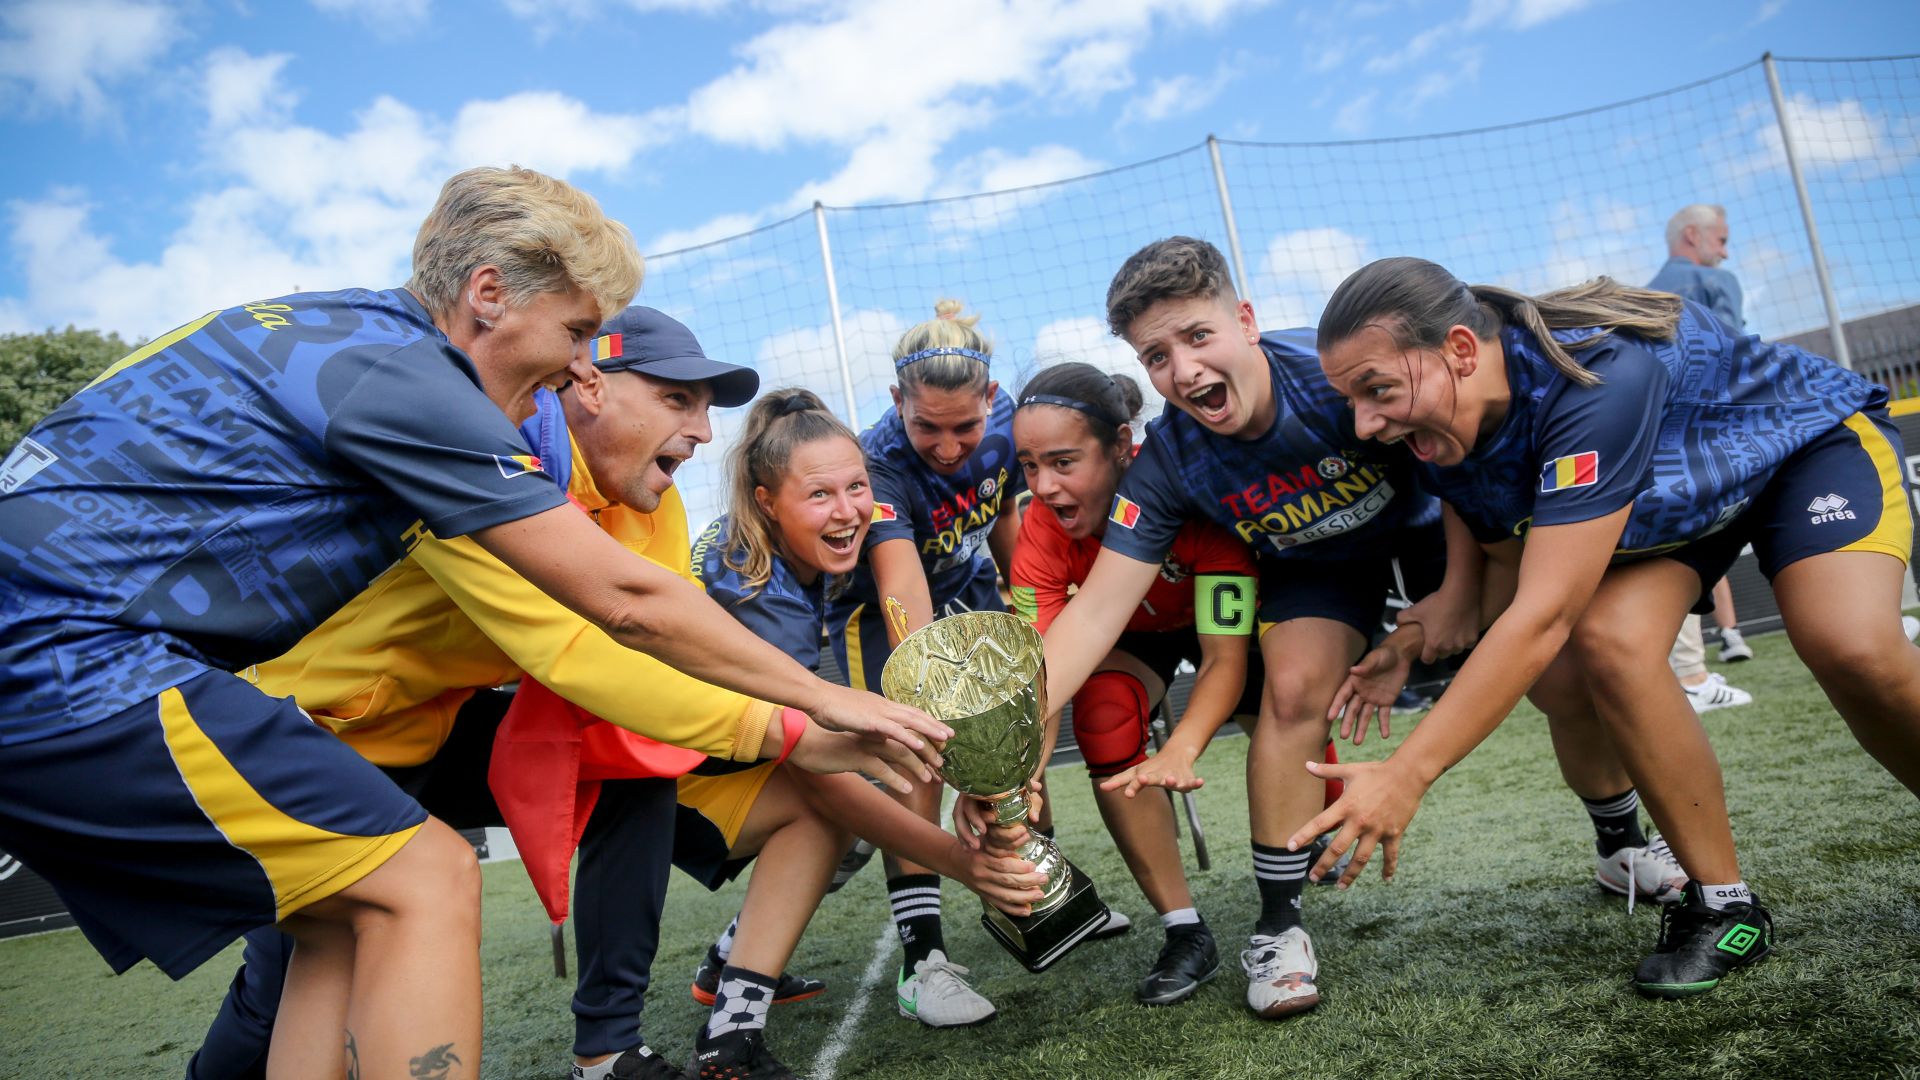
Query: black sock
[[1281, 874], [916, 914], [1616, 822]]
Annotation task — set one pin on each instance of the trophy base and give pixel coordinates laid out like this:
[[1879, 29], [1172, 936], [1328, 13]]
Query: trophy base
[[1039, 940]]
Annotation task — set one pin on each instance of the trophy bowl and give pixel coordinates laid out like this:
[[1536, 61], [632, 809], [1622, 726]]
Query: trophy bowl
[[983, 674]]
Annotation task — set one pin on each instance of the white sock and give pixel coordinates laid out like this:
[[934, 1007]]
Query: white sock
[[1719, 897], [604, 1070], [724, 947], [1185, 916]]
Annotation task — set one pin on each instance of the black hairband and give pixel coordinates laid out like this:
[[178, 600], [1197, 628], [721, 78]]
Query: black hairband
[[1070, 403], [792, 403]]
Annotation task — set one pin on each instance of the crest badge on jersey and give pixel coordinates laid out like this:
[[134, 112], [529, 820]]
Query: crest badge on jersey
[[1332, 467], [884, 512], [1125, 512], [514, 465], [1572, 471]]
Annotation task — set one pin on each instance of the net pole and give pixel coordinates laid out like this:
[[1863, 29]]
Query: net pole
[[1835, 326], [833, 308], [1226, 211]]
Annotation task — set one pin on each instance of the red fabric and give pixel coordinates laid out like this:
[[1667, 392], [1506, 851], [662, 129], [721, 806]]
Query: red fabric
[[1110, 717], [1048, 561], [1334, 787], [549, 758]]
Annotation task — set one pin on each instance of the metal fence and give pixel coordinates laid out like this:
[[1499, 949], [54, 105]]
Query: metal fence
[[1816, 162]]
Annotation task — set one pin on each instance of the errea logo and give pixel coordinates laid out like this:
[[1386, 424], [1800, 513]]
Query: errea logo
[[1830, 507]]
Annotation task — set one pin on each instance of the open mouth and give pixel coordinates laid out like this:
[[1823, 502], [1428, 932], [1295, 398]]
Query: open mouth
[[840, 543], [1210, 404], [1065, 513], [667, 463], [1421, 448]]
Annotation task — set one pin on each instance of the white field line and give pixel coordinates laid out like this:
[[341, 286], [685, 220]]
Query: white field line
[[836, 1044]]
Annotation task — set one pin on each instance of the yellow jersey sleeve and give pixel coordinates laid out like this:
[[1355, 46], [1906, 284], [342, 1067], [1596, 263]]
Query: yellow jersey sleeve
[[578, 661]]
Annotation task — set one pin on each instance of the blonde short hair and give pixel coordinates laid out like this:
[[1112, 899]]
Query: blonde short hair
[[544, 235]]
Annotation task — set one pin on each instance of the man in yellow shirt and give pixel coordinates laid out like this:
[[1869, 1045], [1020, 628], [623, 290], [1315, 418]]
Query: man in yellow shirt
[[403, 672]]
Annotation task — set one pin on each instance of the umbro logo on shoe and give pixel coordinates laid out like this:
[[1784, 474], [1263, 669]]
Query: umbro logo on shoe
[[1830, 507]]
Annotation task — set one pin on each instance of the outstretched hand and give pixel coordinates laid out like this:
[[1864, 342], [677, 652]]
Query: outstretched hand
[[1379, 801], [837, 751], [1163, 770], [1369, 692], [863, 713]]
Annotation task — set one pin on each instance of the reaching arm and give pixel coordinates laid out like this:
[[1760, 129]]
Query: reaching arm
[[1560, 568], [1003, 537], [648, 608], [1217, 686], [1086, 629], [897, 573]]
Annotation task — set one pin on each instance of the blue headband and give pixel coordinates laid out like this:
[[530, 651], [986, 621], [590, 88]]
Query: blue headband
[[928, 354], [1070, 403]]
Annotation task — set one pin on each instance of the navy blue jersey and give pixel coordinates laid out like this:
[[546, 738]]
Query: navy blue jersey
[[1308, 479], [947, 517], [784, 613], [217, 494], [1688, 431]]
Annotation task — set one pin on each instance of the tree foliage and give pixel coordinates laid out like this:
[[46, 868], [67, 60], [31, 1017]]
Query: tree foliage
[[39, 371]]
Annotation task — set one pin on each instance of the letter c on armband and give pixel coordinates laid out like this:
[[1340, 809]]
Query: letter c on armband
[[1224, 604]]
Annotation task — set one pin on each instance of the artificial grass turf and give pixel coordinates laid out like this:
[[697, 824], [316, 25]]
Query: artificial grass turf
[[1491, 954]]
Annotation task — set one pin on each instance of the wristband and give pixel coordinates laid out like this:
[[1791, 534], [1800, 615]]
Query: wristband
[[793, 724]]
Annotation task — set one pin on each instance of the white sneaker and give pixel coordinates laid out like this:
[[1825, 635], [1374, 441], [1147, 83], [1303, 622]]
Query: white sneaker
[[1733, 647], [1647, 873], [1281, 973], [937, 995], [1714, 693]]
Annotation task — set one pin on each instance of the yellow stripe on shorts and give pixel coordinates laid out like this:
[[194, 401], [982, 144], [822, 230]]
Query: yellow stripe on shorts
[[304, 863], [856, 668], [1894, 534]]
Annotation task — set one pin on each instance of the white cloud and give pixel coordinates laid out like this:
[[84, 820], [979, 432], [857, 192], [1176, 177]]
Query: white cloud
[[707, 232], [1589, 238], [1085, 338], [1352, 118], [1767, 11], [1013, 181], [294, 207], [385, 17], [549, 131], [1827, 135], [64, 53], [1177, 96], [242, 88], [1481, 15], [1299, 271], [894, 84]]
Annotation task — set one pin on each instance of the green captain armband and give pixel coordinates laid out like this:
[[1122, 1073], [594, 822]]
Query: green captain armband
[[1224, 604], [1025, 604]]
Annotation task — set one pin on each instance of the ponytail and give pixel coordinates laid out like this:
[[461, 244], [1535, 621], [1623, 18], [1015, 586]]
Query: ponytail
[[1418, 302]]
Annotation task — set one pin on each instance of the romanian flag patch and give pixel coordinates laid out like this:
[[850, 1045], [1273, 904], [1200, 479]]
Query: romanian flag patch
[[1572, 471], [1125, 512], [518, 465], [606, 347], [884, 512]]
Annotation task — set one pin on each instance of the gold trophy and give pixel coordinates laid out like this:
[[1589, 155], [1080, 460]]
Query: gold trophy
[[982, 674]]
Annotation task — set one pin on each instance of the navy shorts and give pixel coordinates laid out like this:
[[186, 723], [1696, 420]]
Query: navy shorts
[[1844, 491], [175, 826], [859, 638], [1350, 591], [1163, 650]]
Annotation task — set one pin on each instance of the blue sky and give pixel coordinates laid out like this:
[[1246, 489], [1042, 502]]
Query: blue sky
[[166, 158]]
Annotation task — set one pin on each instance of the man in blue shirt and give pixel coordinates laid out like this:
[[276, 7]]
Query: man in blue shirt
[[1696, 246]]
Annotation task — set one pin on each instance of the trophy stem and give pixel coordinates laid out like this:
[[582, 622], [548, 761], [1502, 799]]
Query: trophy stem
[[1011, 809]]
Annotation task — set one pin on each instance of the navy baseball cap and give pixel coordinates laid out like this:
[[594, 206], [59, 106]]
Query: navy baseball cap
[[654, 343]]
